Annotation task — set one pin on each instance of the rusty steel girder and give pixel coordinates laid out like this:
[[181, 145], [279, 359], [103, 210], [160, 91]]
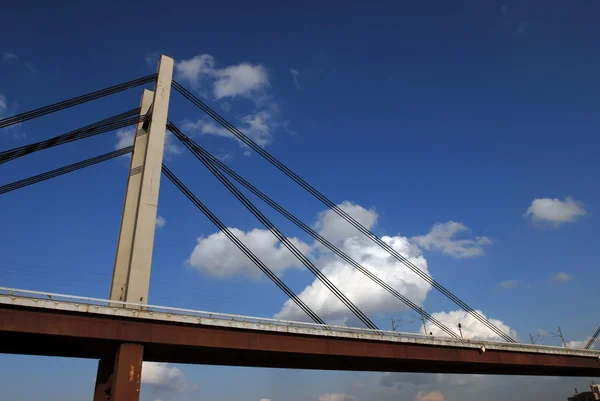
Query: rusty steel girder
[[34, 331]]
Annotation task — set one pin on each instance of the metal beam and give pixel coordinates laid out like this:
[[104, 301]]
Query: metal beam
[[40, 331], [119, 374]]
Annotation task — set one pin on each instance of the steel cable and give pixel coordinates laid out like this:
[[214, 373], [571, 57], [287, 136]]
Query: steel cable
[[319, 238], [249, 142], [63, 170], [241, 246], [75, 101], [282, 238], [122, 120]]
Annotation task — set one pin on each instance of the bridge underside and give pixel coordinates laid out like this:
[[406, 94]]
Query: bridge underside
[[36, 331]]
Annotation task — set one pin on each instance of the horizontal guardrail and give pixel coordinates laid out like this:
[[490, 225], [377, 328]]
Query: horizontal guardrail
[[73, 303]]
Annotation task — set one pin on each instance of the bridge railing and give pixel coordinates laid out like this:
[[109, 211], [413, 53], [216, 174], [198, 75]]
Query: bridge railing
[[50, 300], [74, 299]]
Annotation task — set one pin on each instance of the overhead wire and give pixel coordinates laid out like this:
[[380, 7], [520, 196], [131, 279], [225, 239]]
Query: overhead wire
[[118, 121], [271, 227], [326, 201], [241, 246], [64, 170], [19, 118], [320, 238]]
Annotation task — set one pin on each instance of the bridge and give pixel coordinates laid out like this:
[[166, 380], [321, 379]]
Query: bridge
[[125, 329]]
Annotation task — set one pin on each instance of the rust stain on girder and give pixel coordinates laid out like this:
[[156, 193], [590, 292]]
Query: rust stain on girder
[[75, 334]]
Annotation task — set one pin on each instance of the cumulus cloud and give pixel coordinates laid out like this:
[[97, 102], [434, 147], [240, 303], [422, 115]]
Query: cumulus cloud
[[509, 284], [582, 344], [240, 80], [442, 238], [125, 137], [429, 396], [243, 79], [161, 376], [258, 126], [371, 298], [554, 211], [217, 256], [9, 56], [335, 229], [195, 69], [562, 277], [160, 222], [471, 327], [295, 74], [337, 397]]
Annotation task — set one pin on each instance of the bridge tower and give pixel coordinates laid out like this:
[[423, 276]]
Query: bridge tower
[[119, 374]]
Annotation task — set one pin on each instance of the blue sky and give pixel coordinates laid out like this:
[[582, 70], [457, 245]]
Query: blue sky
[[465, 133]]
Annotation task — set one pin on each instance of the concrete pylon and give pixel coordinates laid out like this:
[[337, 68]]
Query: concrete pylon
[[119, 371], [131, 275]]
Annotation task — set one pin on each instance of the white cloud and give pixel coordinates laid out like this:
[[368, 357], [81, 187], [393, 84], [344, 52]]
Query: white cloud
[[562, 277], [554, 211], [160, 222], [331, 226], [368, 296], [522, 28], [195, 69], [441, 237], [337, 397], [164, 377], [125, 137], [295, 74], [577, 344], [217, 256], [509, 284], [257, 126], [583, 343], [243, 79], [240, 80], [471, 327], [429, 396], [9, 56], [171, 147]]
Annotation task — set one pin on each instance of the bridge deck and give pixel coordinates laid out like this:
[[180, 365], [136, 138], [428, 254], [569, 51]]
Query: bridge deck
[[64, 325]]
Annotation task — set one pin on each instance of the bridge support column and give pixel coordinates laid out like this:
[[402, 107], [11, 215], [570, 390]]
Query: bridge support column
[[119, 374], [131, 275], [132, 197]]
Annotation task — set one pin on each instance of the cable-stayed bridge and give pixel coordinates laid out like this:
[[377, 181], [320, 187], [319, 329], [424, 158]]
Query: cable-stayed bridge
[[125, 329]]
